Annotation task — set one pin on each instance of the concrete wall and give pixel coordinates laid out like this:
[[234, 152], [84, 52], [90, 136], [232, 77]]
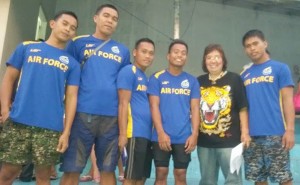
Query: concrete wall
[[4, 10], [201, 23], [21, 24]]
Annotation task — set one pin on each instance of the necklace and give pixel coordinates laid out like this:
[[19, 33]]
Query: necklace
[[213, 80]]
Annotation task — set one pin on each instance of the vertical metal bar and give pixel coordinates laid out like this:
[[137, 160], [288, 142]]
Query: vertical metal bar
[[176, 19]]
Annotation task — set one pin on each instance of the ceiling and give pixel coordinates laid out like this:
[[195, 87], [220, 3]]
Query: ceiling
[[288, 7]]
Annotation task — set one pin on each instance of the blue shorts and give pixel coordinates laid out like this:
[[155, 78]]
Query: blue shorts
[[87, 129], [266, 158]]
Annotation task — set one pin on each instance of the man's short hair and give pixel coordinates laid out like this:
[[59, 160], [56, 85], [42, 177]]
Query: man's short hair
[[106, 6], [66, 12], [253, 33], [177, 41], [138, 42]]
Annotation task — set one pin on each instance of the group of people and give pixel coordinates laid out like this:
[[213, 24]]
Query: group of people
[[85, 93]]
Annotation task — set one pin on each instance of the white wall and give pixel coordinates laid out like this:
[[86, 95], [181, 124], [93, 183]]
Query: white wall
[[18, 23], [4, 10]]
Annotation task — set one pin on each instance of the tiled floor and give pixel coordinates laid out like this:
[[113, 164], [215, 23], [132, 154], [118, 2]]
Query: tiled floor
[[193, 174]]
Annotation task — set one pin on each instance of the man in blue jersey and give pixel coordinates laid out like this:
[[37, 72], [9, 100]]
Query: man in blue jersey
[[269, 88], [96, 119], [134, 114], [174, 101], [34, 128]]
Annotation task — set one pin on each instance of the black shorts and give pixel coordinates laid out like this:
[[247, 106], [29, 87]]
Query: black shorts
[[180, 158], [139, 160]]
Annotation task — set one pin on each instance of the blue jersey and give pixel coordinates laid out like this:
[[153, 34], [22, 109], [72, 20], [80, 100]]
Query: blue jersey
[[175, 94], [45, 70], [98, 85], [134, 79], [263, 84]]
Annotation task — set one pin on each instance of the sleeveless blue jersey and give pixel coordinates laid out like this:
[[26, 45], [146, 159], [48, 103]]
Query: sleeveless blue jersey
[[175, 94], [45, 70], [139, 124], [98, 83]]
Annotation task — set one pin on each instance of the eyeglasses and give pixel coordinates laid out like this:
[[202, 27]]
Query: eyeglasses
[[216, 57]]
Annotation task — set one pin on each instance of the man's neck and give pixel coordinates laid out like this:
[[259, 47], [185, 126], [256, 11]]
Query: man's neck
[[101, 36], [56, 43], [263, 59], [175, 70], [140, 67]]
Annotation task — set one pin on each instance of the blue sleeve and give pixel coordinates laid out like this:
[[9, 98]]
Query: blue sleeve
[[285, 77], [71, 49], [153, 86], [195, 94], [126, 79], [16, 60], [126, 60], [74, 74]]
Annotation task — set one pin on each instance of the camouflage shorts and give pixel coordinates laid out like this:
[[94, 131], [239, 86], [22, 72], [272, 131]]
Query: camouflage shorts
[[266, 158], [21, 144]]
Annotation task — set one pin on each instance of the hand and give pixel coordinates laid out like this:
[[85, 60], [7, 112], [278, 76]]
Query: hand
[[246, 139], [122, 142], [288, 140], [63, 143], [164, 142], [191, 143]]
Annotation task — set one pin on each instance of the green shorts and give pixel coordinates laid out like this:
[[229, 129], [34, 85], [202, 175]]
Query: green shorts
[[22, 144]]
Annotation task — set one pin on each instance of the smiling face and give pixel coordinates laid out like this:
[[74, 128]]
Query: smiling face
[[256, 49], [214, 62], [106, 22], [177, 56]]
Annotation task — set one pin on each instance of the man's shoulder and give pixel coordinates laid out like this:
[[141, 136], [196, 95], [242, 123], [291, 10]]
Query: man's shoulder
[[118, 45], [158, 74], [80, 38], [189, 75], [26, 43], [277, 63], [129, 68]]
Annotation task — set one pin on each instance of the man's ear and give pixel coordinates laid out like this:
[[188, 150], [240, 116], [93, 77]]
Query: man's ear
[[134, 52], [51, 23], [266, 43], [95, 18]]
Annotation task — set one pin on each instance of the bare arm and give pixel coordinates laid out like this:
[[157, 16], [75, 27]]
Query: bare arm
[[164, 140], [245, 137], [288, 140], [124, 100], [70, 110], [10, 76], [191, 142]]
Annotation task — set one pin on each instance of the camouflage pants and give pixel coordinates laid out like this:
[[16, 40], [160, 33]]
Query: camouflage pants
[[266, 158], [22, 144]]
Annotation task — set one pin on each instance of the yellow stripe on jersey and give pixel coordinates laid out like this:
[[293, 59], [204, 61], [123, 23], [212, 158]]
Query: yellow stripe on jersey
[[30, 42], [129, 122], [245, 67], [80, 36], [134, 69], [281, 109], [159, 73]]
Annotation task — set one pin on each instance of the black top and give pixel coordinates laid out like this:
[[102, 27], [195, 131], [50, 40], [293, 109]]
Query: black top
[[220, 105]]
